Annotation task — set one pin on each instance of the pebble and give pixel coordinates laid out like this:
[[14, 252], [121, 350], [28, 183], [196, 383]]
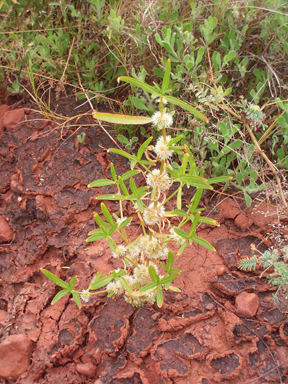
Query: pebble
[[228, 209], [3, 109], [247, 304], [87, 369], [6, 233], [15, 355], [13, 117], [243, 222]]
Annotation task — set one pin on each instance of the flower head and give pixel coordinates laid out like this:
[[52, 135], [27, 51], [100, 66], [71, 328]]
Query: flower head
[[152, 215], [85, 295], [162, 181], [119, 251], [162, 150], [165, 120]]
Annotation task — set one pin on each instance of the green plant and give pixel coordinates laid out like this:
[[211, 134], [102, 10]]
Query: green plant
[[141, 279], [129, 143], [270, 260], [81, 138]]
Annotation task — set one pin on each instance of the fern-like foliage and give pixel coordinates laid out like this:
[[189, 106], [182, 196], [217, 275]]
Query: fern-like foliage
[[248, 263]]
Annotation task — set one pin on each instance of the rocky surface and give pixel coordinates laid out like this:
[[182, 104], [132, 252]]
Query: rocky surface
[[222, 327]]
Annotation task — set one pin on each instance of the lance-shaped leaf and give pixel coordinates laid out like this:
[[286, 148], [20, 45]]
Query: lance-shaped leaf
[[121, 119], [101, 183], [196, 181], [101, 282], [203, 242], [187, 107], [166, 79], [101, 223], [55, 279], [143, 147], [76, 299], [181, 233], [129, 174], [122, 153], [113, 172], [140, 84], [220, 179], [59, 295], [107, 214], [124, 223], [159, 296], [207, 220], [99, 236]]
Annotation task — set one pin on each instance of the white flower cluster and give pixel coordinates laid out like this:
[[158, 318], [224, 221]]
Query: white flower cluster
[[165, 120], [153, 249], [163, 182], [154, 215], [162, 150]]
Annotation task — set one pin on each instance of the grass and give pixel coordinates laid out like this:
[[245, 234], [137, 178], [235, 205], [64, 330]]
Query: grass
[[229, 60]]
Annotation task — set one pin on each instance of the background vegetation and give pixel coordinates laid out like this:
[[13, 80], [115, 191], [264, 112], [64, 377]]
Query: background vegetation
[[229, 60]]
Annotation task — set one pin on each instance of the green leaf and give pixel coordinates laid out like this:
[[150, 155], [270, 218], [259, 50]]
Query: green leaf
[[187, 107], [148, 286], [125, 285], [181, 233], [168, 279], [55, 279], [166, 80], [72, 283], [123, 186], [122, 119], [112, 229], [220, 179], [101, 223], [170, 261], [207, 220], [122, 153], [113, 173], [111, 197], [182, 249], [96, 237], [143, 147], [138, 83], [203, 242], [100, 283], [196, 181], [76, 299], [139, 104], [133, 187], [153, 274], [107, 214], [179, 212], [124, 223], [129, 174], [101, 183], [111, 244], [59, 295], [159, 296]]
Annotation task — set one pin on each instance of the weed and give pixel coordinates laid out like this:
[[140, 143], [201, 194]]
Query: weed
[[146, 258]]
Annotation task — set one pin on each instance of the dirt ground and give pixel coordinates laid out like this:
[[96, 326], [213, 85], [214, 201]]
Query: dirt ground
[[209, 333]]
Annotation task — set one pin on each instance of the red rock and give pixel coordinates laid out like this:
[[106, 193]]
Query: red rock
[[228, 209], [15, 354], [247, 304], [3, 315], [6, 233], [13, 117], [3, 109], [87, 369], [243, 222]]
